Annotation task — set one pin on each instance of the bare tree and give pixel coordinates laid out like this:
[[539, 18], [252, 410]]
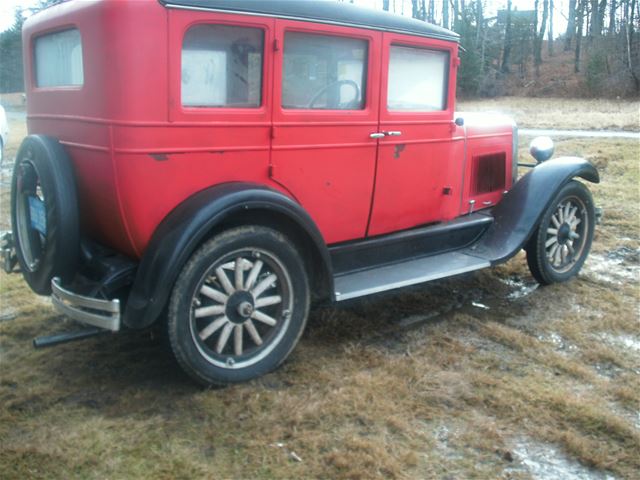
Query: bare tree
[[385, 5], [580, 14], [571, 25], [506, 49], [612, 17], [550, 37], [445, 13], [539, 36]]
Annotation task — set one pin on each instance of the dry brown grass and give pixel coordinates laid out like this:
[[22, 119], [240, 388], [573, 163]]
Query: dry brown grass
[[362, 396], [562, 113]]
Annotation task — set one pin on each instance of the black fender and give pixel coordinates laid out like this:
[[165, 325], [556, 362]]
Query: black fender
[[191, 223], [520, 211]]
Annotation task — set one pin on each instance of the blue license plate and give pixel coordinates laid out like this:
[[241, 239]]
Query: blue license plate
[[38, 215]]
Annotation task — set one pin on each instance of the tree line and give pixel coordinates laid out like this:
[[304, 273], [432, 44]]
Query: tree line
[[602, 35]]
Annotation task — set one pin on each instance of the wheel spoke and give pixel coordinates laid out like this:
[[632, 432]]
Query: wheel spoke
[[213, 294], [208, 311], [224, 281], [253, 275], [572, 215], [237, 340], [567, 209], [224, 336], [555, 221], [266, 301], [264, 318], [575, 223], [574, 235], [251, 328], [563, 254], [560, 214], [558, 256], [571, 249], [552, 231], [551, 241], [213, 327], [239, 273], [552, 252], [263, 285]]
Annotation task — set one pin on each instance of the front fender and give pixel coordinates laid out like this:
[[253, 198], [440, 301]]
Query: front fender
[[518, 214], [188, 225]]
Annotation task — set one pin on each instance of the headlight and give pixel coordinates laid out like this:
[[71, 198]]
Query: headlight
[[541, 148]]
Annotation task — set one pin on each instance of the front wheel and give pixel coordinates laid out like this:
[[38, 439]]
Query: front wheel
[[239, 306], [561, 243]]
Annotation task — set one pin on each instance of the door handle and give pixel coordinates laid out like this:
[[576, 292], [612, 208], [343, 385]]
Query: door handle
[[393, 133], [377, 135]]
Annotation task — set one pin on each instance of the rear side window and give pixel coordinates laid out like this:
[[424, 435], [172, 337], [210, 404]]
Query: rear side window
[[323, 72], [222, 66], [417, 79], [58, 59]]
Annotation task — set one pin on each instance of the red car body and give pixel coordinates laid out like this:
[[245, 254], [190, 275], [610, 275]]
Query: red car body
[[138, 153]]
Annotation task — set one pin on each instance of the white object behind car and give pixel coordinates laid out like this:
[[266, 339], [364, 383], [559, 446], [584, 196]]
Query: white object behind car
[[4, 132]]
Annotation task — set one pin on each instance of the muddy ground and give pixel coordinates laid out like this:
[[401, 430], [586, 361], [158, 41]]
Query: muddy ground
[[484, 375]]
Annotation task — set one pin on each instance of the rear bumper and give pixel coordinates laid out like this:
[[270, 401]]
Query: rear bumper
[[92, 311]]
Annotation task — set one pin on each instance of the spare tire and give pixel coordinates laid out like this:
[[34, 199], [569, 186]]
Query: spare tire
[[44, 213]]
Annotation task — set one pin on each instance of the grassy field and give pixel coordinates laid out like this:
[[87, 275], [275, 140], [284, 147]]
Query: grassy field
[[571, 113], [480, 376]]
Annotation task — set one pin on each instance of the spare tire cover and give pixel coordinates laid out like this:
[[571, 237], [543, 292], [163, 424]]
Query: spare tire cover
[[44, 213]]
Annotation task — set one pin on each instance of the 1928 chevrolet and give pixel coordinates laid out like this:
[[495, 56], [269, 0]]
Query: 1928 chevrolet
[[221, 164]]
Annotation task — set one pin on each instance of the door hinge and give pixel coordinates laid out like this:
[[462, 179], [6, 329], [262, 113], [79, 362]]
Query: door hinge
[[276, 45], [271, 171]]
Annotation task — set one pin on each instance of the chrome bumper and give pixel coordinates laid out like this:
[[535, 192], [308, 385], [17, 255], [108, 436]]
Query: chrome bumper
[[92, 311]]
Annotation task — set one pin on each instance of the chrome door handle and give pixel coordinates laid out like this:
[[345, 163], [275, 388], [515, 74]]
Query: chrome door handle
[[377, 135], [393, 133]]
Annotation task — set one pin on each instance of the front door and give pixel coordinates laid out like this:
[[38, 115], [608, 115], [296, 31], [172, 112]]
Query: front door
[[325, 111], [421, 155]]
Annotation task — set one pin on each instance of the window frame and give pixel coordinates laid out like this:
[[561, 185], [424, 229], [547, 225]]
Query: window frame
[[436, 116], [365, 76], [180, 21], [371, 97], [33, 61], [445, 83], [262, 78]]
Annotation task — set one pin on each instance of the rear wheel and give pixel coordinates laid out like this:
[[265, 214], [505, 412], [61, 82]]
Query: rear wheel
[[239, 306], [560, 245]]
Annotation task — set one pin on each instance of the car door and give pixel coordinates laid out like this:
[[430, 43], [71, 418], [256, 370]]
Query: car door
[[324, 114], [421, 155]]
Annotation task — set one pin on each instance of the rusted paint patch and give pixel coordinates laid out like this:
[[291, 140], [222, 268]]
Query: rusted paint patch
[[399, 148]]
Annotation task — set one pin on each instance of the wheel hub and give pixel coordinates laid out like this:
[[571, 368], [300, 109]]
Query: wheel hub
[[240, 306], [563, 233]]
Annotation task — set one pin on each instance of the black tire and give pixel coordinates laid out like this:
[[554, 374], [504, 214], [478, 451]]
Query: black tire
[[559, 246], [43, 175], [200, 319]]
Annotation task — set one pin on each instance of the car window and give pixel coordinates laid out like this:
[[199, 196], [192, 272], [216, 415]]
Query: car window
[[323, 72], [58, 59], [222, 66], [417, 79]]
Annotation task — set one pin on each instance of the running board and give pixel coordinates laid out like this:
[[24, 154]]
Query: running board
[[402, 274]]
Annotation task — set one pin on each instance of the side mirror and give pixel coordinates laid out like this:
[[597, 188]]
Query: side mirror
[[541, 148]]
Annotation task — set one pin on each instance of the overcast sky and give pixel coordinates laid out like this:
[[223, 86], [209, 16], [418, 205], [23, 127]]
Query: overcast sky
[[7, 9]]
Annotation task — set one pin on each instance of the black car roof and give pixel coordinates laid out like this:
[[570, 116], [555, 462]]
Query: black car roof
[[323, 11]]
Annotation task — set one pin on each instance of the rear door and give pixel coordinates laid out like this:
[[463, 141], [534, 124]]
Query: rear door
[[420, 158], [324, 111]]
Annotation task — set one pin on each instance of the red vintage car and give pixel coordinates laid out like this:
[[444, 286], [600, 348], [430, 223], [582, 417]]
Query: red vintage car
[[221, 165]]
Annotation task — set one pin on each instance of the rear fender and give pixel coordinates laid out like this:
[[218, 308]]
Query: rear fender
[[518, 214], [190, 224]]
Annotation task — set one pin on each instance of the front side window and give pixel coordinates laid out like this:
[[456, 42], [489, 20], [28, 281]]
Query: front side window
[[417, 79], [222, 66], [323, 72], [58, 59]]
